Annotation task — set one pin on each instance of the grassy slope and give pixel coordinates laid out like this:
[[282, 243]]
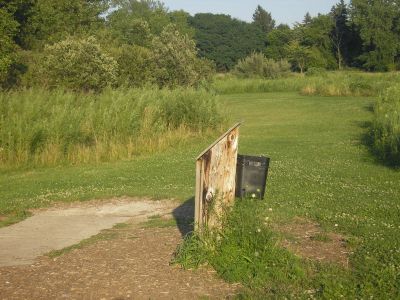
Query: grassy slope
[[320, 169], [319, 165], [167, 175], [318, 162]]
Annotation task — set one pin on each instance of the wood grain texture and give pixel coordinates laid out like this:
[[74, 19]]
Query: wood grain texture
[[215, 179]]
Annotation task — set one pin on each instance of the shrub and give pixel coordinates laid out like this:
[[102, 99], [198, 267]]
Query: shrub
[[257, 65], [176, 61], [78, 64], [386, 126], [250, 66], [274, 69], [136, 66]]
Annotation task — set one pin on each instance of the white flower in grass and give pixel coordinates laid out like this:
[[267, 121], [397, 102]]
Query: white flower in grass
[[258, 230], [253, 196], [270, 209], [336, 225]]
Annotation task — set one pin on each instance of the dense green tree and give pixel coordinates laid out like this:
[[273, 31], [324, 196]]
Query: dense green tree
[[378, 24], [180, 19], [157, 16], [263, 20], [277, 40], [365, 34], [8, 31], [225, 40], [341, 34], [125, 12], [21, 12], [299, 55], [52, 21], [307, 19], [316, 35], [176, 61]]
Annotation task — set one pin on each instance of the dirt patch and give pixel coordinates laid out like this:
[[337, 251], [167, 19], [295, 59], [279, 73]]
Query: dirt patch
[[133, 265], [3, 218], [307, 239]]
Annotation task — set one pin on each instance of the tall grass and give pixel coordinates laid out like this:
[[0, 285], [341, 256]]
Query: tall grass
[[329, 84], [46, 128], [386, 126], [246, 251]]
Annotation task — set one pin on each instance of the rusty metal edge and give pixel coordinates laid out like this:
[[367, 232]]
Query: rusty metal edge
[[218, 140]]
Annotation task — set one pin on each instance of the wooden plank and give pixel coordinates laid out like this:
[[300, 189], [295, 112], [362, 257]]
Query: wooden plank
[[197, 208], [218, 140], [215, 179]]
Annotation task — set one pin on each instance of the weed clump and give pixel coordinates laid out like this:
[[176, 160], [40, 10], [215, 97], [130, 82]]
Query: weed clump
[[244, 251], [334, 84], [257, 65], [386, 126]]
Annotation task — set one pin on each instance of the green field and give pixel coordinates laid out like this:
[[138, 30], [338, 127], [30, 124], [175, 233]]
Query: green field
[[320, 170]]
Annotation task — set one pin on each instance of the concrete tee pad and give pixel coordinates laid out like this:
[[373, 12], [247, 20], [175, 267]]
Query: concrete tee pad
[[57, 228]]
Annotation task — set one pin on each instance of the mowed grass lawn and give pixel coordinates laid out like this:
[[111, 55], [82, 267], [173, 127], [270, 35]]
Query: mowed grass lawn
[[320, 170]]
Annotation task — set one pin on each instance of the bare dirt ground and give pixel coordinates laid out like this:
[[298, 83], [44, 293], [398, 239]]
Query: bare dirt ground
[[130, 261], [307, 239], [133, 264]]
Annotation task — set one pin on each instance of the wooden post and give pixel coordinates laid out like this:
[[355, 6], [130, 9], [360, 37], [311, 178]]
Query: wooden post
[[216, 179]]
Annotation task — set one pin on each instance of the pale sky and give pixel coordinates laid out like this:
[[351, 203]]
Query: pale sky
[[283, 11]]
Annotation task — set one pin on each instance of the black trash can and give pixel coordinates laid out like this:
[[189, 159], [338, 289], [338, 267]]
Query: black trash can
[[251, 176]]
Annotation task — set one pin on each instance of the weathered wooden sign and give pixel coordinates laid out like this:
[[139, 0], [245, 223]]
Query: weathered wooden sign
[[215, 178]]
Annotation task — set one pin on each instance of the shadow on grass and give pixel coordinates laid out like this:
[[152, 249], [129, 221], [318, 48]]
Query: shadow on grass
[[369, 108], [367, 140], [184, 216]]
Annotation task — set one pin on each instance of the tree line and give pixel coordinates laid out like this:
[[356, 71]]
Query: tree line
[[137, 42], [364, 34]]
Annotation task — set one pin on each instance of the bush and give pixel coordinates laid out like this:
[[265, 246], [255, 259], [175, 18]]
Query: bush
[[176, 61], [257, 65], [78, 64], [386, 126], [136, 66], [275, 69]]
